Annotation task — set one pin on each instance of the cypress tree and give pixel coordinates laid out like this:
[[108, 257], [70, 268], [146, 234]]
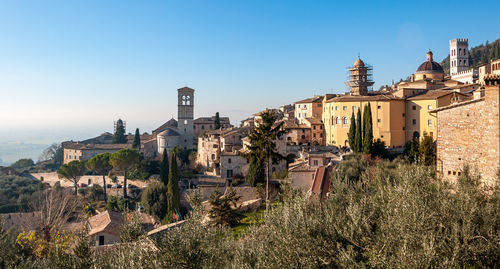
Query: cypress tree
[[358, 137], [367, 130], [217, 121], [256, 172], [352, 132], [164, 168], [137, 140], [173, 199]]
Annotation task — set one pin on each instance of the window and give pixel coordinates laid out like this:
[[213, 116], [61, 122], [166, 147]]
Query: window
[[303, 130], [345, 120], [185, 121], [379, 107], [336, 107], [314, 127], [194, 127], [353, 108], [414, 107], [379, 120], [101, 240], [429, 122], [303, 137], [414, 122], [449, 172], [381, 136], [203, 127], [229, 160], [344, 108], [298, 106], [429, 107], [403, 115], [321, 135], [305, 115], [321, 127], [229, 173], [215, 146], [337, 120], [314, 135], [213, 156], [315, 162]]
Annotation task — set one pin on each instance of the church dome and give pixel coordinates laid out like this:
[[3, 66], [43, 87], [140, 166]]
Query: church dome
[[359, 63], [430, 66]]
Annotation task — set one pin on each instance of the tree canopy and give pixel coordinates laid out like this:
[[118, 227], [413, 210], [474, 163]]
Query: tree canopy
[[137, 139], [72, 171]]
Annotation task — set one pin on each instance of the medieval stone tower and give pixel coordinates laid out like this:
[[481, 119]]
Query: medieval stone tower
[[459, 55], [185, 115]]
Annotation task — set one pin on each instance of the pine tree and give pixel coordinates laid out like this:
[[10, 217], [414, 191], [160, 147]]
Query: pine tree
[[223, 211], [427, 151], [164, 168], [358, 138], [217, 121], [352, 133], [137, 140], [367, 130], [173, 198]]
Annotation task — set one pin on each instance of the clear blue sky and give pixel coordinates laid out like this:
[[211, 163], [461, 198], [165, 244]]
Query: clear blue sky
[[76, 66]]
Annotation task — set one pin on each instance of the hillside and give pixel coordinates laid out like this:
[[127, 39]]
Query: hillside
[[479, 55]]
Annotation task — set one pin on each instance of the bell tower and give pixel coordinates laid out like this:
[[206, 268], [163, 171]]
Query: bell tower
[[185, 116], [459, 55]]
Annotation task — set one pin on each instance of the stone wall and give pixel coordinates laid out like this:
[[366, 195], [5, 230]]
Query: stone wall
[[468, 134]]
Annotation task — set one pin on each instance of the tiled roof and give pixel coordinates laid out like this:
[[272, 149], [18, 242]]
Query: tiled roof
[[314, 120], [169, 132], [211, 120], [316, 99], [80, 146], [169, 123], [107, 221], [431, 95], [372, 96]]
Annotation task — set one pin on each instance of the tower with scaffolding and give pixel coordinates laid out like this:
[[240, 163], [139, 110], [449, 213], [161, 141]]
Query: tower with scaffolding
[[119, 123], [360, 78]]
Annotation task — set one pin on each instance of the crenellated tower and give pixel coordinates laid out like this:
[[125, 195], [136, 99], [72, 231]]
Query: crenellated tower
[[459, 55]]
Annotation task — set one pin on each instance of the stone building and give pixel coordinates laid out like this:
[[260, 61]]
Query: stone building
[[77, 151], [308, 108], [468, 133], [185, 117], [104, 228], [205, 124]]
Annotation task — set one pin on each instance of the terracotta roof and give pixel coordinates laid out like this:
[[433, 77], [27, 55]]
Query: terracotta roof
[[315, 99], [314, 121], [80, 146], [372, 96], [457, 105], [321, 181], [211, 120], [186, 88], [303, 167], [431, 95], [169, 123], [108, 221]]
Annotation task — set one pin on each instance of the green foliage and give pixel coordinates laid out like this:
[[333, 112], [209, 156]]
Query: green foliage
[[351, 169], [256, 173], [116, 203], [119, 137], [16, 192], [173, 198], [154, 200], [217, 121], [358, 137], [427, 150], [51, 157], [72, 171], [137, 139], [22, 165], [411, 151], [164, 168], [367, 129], [223, 210], [132, 230], [100, 164], [379, 150], [352, 132], [125, 160]]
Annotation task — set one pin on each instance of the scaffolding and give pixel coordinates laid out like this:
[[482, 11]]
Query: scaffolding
[[360, 77]]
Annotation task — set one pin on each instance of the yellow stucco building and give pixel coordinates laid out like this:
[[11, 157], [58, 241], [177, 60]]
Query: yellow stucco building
[[399, 114]]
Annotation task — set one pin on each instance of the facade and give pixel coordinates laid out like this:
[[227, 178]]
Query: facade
[[308, 108], [104, 228], [204, 124], [469, 134], [82, 152], [185, 117], [459, 55]]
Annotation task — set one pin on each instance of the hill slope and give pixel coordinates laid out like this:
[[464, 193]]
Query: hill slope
[[479, 55]]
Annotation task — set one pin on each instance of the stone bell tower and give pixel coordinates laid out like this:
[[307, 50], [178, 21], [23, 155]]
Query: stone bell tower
[[459, 55], [185, 116]]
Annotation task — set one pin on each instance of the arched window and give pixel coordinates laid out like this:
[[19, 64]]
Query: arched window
[[345, 120], [337, 120], [416, 135]]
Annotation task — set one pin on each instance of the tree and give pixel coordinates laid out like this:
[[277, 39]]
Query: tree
[[223, 210], [217, 121], [263, 144], [132, 229], [367, 130], [100, 164], [137, 140], [54, 153], [124, 160], [119, 136], [164, 168], [154, 200], [358, 137], [352, 132], [173, 198], [23, 164], [72, 171], [379, 150], [427, 150], [256, 171], [412, 151]]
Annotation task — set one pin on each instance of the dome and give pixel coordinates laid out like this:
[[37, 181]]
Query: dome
[[430, 66], [359, 63]]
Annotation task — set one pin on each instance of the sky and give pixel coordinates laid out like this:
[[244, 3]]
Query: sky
[[68, 69]]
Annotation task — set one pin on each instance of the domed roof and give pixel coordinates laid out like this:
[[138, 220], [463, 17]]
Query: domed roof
[[359, 63], [430, 66]]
